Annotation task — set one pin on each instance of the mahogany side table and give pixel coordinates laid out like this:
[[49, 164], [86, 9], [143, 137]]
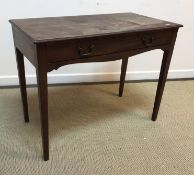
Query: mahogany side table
[[49, 43]]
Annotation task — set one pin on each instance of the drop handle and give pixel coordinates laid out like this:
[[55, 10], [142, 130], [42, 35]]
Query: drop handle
[[147, 41], [85, 54]]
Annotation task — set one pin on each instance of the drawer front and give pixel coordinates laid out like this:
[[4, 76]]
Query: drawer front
[[88, 47]]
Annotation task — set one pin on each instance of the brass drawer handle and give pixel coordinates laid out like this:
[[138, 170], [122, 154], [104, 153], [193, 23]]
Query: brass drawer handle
[[147, 41], [86, 54]]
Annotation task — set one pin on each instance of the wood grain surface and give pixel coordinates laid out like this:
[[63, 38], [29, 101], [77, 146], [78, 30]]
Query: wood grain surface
[[60, 28]]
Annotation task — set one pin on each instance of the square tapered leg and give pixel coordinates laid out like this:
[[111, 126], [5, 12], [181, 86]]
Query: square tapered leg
[[22, 81], [43, 104]]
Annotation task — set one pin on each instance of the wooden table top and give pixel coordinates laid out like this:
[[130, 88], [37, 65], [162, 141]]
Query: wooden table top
[[68, 27]]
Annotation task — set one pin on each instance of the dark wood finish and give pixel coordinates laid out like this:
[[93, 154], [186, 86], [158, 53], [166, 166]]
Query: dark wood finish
[[50, 43], [103, 58], [97, 46], [43, 100], [41, 73], [25, 45], [163, 75], [87, 26], [22, 81], [123, 74]]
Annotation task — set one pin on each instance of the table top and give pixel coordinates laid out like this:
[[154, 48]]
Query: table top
[[68, 27]]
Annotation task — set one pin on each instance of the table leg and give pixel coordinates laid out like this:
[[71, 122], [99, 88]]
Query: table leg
[[43, 104], [22, 81], [122, 76], [163, 75], [162, 80]]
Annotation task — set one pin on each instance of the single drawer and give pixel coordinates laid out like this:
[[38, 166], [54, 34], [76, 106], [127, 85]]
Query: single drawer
[[102, 45]]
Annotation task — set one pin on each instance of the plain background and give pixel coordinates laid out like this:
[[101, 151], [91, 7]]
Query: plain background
[[145, 66]]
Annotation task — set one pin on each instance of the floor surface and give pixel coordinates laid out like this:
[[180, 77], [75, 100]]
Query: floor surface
[[94, 132]]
